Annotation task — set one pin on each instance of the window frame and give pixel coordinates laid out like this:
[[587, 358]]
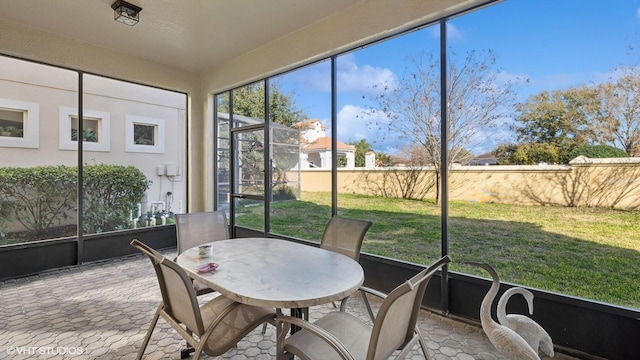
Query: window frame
[[30, 124], [104, 133], [159, 134]]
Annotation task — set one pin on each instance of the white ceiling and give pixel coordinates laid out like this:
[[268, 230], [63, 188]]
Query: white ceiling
[[193, 35]]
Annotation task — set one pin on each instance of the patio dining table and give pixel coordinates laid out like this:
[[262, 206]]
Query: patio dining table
[[275, 273]]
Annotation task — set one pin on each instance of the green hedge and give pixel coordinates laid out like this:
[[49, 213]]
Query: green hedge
[[598, 152], [42, 197], [111, 195]]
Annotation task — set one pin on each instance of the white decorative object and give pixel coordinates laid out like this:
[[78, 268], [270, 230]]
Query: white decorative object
[[526, 327], [505, 340]]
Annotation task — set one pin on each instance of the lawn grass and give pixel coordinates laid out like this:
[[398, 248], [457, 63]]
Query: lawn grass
[[592, 253]]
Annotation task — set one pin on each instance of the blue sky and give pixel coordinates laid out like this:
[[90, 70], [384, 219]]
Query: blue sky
[[556, 44]]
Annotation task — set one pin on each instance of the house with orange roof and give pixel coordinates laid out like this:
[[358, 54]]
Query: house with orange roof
[[315, 146]]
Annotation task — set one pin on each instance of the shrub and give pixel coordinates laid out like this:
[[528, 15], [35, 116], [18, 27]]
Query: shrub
[[38, 197], [283, 193], [111, 195], [527, 154], [41, 197], [598, 152]]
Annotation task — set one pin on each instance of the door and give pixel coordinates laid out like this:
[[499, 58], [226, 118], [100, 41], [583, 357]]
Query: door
[[248, 179]]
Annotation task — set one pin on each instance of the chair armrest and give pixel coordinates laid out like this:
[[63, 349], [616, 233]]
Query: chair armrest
[[373, 292], [316, 330]]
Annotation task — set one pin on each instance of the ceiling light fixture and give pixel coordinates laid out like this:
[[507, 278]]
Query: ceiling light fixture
[[126, 13]]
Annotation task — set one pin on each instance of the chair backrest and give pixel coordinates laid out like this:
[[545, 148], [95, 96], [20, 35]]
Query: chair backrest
[[178, 295], [395, 323], [345, 236], [193, 229]]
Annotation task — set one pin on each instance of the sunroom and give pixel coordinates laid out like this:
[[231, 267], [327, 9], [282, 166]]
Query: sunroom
[[194, 104]]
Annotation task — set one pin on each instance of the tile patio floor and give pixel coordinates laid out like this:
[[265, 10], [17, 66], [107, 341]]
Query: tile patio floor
[[102, 310]]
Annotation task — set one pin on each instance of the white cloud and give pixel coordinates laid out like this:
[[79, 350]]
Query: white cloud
[[352, 77], [638, 13], [363, 78], [316, 77], [356, 123]]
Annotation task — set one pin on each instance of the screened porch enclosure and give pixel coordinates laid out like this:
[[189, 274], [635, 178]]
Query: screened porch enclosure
[[173, 106]]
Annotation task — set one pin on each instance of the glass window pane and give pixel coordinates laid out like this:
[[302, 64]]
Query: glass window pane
[[34, 173], [144, 134], [140, 181], [248, 105], [251, 163], [388, 135], [222, 149], [543, 215], [90, 129], [249, 109], [249, 177], [300, 102], [12, 122]]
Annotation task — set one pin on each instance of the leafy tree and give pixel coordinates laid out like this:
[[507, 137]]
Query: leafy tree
[[249, 101], [476, 101], [598, 152], [527, 154], [561, 119], [362, 147], [383, 159], [619, 121]]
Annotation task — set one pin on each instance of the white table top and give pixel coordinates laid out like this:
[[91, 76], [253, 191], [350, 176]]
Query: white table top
[[276, 273]]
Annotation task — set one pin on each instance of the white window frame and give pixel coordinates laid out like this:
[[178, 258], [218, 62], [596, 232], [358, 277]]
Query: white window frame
[[104, 130], [30, 124], [159, 135]]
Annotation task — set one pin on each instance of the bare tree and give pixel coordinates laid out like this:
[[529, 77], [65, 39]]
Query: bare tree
[[476, 101], [619, 123], [407, 182]]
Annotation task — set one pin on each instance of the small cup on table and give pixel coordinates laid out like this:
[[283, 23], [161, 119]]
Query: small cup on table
[[205, 251]]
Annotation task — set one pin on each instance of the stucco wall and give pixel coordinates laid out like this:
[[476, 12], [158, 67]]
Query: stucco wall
[[50, 88], [34, 44], [586, 182]]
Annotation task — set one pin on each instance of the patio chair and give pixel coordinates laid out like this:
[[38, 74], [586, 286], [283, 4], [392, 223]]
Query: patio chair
[[193, 229], [218, 324], [340, 335], [345, 236]]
